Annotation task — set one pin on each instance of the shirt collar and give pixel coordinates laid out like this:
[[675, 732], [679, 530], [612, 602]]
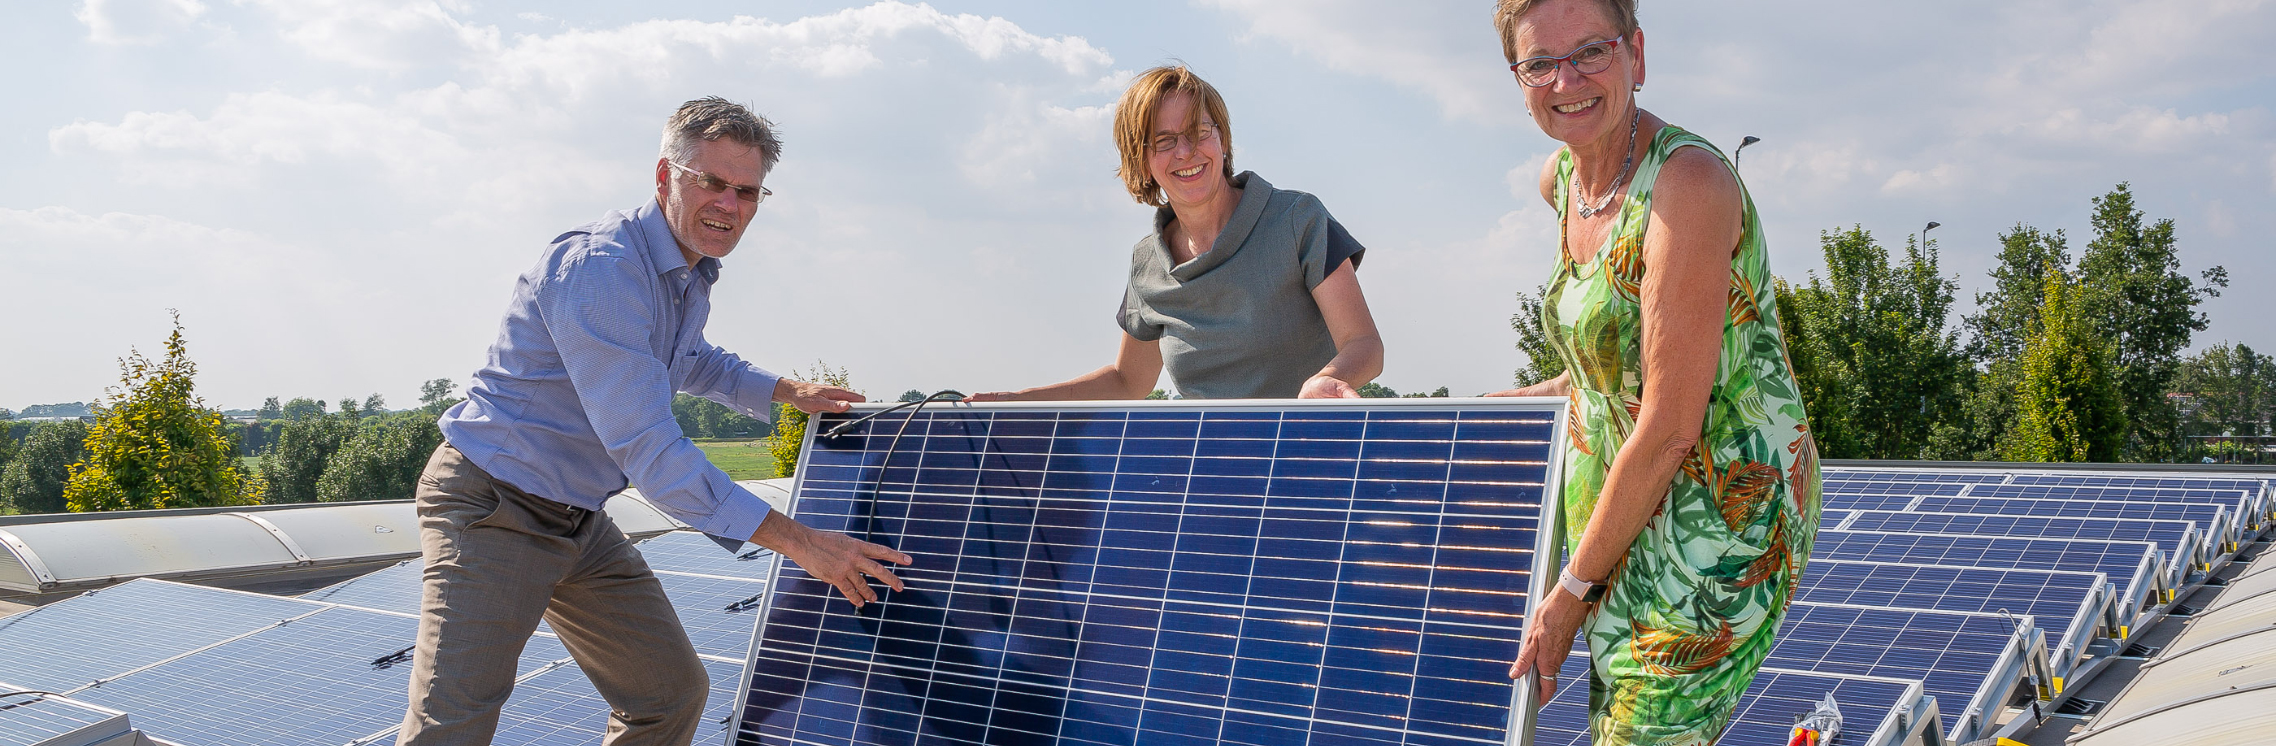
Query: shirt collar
[[663, 249]]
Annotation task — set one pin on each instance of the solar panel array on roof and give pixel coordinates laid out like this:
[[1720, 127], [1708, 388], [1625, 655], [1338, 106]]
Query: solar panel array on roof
[[1266, 574], [2080, 600], [39, 718]]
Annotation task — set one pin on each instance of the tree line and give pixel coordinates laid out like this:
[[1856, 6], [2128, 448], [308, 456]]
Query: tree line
[[2064, 358]]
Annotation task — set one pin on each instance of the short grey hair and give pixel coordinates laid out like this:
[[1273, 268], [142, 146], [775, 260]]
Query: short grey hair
[[714, 118]]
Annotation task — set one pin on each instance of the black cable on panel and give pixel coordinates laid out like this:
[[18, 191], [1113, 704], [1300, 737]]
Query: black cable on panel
[[877, 489]]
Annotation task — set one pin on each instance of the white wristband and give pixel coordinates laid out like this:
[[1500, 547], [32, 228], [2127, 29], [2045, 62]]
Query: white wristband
[[1576, 586]]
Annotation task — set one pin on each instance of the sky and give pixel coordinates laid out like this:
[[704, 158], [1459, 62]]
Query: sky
[[337, 195]]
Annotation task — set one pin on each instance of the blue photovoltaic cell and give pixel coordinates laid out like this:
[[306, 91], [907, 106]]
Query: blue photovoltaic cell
[[1950, 653], [2053, 597], [2207, 516], [1955, 477], [692, 552], [311, 681], [1765, 714], [2153, 482], [101, 634], [2172, 536], [1880, 487], [717, 612], [2238, 503], [394, 588], [27, 719], [1346, 574], [2117, 559], [560, 706], [1844, 501]]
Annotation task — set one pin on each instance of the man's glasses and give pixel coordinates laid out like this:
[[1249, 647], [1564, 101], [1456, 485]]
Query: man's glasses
[[1589, 59], [1201, 134], [713, 184]]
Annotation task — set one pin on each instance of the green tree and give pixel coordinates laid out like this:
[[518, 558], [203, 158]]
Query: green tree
[[790, 423], [33, 481], [2131, 275], [1875, 355], [2067, 403], [2229, 391], [912, 395], [1441, 393], [296, 462], [270, 410], [436, 396], [375, 404], [1373, 390], [1158, 394], [381, 460], [301, 408], [1541, 360], [154, 444]]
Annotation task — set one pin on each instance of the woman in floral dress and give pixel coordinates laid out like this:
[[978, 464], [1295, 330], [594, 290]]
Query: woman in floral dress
[[1691, 481]]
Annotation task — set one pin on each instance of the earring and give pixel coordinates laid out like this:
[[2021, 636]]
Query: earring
[[1638, 89]]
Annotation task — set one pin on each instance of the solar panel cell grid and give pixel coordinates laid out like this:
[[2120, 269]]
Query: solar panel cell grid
[[30, 719], [1949, 653], [1951, 477], [310, 681], [2053, 597], [1110, 576], [395, 589], [2175, 537], [691, 552], [2205, 515], [2117, 560], [1765, 714], [98, 635], [1858, 486]]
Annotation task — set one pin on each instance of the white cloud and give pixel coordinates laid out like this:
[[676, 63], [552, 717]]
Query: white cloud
[[128, 22], [1448, 51], [379, 34]]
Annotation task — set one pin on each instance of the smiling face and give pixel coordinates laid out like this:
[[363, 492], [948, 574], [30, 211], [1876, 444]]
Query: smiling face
[[1192, 170], [1576, 108], [710, 223]]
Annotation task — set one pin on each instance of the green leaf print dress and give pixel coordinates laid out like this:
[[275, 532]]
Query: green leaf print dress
[[1690, 612]]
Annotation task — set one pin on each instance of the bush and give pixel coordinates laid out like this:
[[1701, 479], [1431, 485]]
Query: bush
[[382, 460], [303, 449], [33, 481]]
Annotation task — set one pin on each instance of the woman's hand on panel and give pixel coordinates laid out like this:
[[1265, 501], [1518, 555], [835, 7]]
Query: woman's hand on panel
[[1549, 640], [1325, 386]]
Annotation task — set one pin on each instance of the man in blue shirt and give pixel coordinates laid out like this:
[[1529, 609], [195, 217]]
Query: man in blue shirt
[[573, 406]]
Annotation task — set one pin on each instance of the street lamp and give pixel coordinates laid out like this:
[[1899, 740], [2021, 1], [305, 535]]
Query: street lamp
[[1750, 140], [1924, 232]]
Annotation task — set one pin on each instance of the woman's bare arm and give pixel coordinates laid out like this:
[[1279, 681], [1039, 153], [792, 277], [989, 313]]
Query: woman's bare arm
[[1136, 368], [1359, 348]]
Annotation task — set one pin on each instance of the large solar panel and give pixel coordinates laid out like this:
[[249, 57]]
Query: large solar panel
[[2058, 599], [315, 680], [102, 634], [1832, 474], [1950, 653], [1765, 714], [1883, 487], [1846, 501], [27, 719], [2180, 539], [2160, 481], [1261, 573], [2239, 503], [2132, 565], [717, 612], [395, 588], [2211, 519]]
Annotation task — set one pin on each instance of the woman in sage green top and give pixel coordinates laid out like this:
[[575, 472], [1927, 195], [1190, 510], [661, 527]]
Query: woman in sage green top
[[1690, 482], [1242, 290]]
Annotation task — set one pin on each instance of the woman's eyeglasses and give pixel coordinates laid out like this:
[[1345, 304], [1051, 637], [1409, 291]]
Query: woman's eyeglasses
[[706, 181], [1203, 133], [1589, 59]]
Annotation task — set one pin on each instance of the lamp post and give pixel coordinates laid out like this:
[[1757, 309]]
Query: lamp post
[[1750, 140], [1924, 232]]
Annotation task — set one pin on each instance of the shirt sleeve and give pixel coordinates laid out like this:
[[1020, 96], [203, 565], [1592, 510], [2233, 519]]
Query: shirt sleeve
[[1132, 318], [724, 377], [1324, 245], [599, 312]]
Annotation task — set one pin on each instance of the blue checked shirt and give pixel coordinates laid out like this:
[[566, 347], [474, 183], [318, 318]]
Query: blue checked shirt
[[575, 402]]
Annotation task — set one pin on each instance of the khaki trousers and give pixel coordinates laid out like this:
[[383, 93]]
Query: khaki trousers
[[498, 559]]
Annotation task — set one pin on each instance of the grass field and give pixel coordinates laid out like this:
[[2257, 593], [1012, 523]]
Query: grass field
[[741, 459]]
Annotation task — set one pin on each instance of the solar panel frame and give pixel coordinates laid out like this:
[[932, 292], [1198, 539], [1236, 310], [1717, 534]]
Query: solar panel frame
[[1545, 552], [1940, 649], [2215, 521]]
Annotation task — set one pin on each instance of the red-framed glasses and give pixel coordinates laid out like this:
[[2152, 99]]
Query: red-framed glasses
[[1588, 59]]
